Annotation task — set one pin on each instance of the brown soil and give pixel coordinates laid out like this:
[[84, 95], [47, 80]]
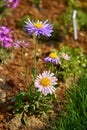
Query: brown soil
[[11, 80]]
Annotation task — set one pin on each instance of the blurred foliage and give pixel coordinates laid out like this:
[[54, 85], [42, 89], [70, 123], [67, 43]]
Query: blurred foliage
[[81, 7], [20, 24], [77, 3], [3, 9], [82, 20], [65, 20], [5, 54], [77, 64], [69, 68], [36, 2]]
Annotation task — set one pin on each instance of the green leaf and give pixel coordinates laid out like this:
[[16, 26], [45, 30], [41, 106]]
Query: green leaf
[[25, 118], [26, 107], [33, 72]]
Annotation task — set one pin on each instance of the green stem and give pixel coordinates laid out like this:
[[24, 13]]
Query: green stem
[[24, 67], [23, 58], [52, 68], [35, 55]]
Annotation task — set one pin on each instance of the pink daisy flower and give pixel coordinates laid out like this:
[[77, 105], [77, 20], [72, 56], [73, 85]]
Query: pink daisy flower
[[65, 56]]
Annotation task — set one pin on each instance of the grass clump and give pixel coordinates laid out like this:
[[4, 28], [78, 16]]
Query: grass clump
[[75, 116]]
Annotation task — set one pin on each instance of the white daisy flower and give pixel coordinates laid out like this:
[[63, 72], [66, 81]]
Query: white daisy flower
[[45, 82]]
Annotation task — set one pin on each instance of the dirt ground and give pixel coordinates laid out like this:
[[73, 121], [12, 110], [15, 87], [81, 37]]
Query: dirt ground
[[11, 80]]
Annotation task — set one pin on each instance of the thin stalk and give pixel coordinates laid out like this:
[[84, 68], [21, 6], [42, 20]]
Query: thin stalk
[[24, 67], [23, 63], [35, 55], [74, 78], [52, 67]]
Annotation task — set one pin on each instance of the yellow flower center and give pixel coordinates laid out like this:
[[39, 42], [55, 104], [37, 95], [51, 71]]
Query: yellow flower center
[[38, 25], [53, 55], [45, 81]]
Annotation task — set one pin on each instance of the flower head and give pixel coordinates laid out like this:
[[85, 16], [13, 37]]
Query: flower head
[[39, 28], [20, 43], [5, 37], [65, 56], [53, 58], [45, 82], [13, 3]]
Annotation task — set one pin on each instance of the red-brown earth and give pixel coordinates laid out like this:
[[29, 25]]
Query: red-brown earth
[[11, 80]]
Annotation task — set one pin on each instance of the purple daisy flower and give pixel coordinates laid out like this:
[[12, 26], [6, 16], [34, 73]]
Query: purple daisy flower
[[45, 82], [65, 56], [53, 58], [39, 28]]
